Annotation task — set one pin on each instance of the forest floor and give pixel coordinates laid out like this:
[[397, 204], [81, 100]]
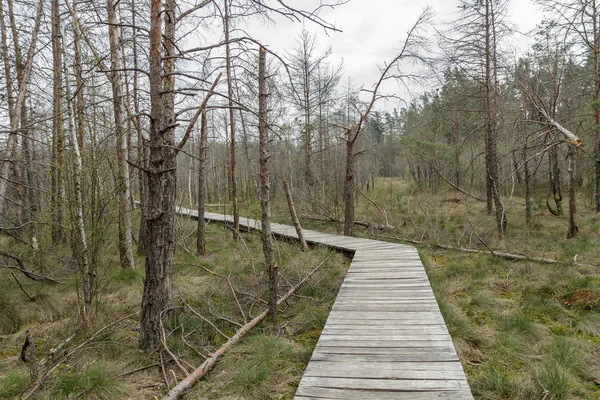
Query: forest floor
[[523, 330], [268, 363]]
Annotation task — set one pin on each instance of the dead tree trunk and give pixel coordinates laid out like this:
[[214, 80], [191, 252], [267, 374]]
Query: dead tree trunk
[[232, 171], [265, 184], [201, 241], [352, 134], [123, 182], [294, 216]]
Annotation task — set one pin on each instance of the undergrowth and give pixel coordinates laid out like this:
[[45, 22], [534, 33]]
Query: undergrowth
[[268, 363]]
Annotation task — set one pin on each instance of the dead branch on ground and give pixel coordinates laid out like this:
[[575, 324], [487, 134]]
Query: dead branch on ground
[[207, 365]]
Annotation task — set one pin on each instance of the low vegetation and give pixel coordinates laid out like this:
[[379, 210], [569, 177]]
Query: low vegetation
[[266, 364]]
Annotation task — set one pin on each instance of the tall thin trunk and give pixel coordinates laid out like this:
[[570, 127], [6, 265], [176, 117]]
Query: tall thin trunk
[[571, 165], [79, 99], [123, 181], [142, 145], [201, 241], [265, 185], [491, 97], [82, 251], [525, 157], [232, 171], [58, 135]]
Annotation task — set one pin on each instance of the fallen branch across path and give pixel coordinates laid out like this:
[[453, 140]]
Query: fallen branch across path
[[207, 365]]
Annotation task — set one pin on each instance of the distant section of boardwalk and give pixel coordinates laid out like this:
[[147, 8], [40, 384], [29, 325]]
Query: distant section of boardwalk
[[385, 337]]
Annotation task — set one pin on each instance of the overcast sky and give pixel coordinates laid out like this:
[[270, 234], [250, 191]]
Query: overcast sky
[[372, 31]]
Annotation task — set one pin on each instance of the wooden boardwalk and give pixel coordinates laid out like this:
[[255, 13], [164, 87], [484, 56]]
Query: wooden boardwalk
[[385, 337]]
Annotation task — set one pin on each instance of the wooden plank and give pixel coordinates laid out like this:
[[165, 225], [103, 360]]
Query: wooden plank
[[378, 371], [385, 384], [309, 392]]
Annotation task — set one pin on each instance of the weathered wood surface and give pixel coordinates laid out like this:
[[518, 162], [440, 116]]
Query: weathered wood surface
[[385, 337]]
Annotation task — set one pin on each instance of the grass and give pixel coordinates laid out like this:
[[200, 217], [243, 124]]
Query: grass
[[94, 382], [12, 384]]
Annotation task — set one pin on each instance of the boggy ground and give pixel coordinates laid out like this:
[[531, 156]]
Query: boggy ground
[[268, 363]]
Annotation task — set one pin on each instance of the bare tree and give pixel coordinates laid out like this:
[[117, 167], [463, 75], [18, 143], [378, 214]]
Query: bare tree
[[410, 51], [265, 185]]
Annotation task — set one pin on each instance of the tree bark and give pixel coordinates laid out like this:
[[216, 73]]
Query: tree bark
[[123, 181], [201, 241], [265, 185], [349, 181], [157, 295]]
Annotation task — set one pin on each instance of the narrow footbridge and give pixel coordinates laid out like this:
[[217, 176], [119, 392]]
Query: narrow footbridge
[[385, 337]]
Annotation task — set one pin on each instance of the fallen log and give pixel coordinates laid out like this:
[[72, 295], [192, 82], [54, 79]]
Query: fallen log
[[210, 362], [490, 252]]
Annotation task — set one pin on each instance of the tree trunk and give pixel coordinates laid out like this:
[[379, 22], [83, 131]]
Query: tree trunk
[[58, 136], [491, 92], [162, 183], [82, 251], [265, 185], [349, 182], [525, 157], [123, 181], [234, 199], [201, 241], [142, 145]]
